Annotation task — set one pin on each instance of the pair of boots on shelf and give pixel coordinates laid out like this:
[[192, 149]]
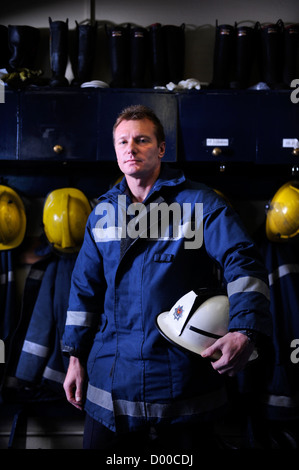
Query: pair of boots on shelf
[[83, 55], [272, 48], [150, 56], [20, 46]]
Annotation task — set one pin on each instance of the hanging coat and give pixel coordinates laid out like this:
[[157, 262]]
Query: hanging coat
[[8, 311], [29, 296], [41, 358], [280, 397], [121, 283]]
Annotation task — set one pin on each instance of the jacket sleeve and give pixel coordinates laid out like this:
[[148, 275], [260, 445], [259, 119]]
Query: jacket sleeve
[[245, 275], [86, 299]]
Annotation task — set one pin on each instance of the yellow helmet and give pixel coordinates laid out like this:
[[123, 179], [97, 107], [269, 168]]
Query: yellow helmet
[[118, 180], [12, 219], [220, 193], [65, 215], [282, 221]]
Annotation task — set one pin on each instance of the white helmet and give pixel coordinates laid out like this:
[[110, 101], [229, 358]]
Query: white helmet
[[195, 321]]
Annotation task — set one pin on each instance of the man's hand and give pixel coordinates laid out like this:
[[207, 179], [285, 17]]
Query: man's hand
[[235, 349], [74, 383]]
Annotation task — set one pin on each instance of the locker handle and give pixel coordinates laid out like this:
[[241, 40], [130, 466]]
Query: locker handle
[[216, 151], [58, 148]]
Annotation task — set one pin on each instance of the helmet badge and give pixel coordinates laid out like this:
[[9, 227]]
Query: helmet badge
[[178, 312]]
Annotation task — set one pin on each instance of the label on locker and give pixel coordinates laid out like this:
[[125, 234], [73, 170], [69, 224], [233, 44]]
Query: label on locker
[[217, 142], [290, 143]]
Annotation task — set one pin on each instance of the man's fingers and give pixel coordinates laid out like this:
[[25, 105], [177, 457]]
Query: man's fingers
[[73, 396], [213, 352], [76, 401]]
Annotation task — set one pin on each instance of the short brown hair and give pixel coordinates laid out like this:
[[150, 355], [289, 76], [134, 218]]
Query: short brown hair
[[138, 112]]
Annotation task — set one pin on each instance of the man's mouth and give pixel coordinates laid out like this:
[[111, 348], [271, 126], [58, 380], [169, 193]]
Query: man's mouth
[[132, 160]]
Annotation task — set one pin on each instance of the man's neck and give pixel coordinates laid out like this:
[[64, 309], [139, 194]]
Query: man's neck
[[140, 188]]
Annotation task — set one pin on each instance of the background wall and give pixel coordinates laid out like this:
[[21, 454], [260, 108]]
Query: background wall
[[199, 17]]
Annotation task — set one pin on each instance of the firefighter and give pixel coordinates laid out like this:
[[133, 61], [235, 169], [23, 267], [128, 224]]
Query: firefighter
[[136, 387]]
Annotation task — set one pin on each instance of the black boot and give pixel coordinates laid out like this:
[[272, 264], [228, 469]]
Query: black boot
[[58, 52], [84, 52], [245, 49], [291, 49], [158, 56], [139, 55], [23, 42], [271, 54], [119, 48], [175, 52], [4, 51], [223, 56]]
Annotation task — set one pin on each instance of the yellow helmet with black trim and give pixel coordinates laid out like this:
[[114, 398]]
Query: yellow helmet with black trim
[[12, 219], [65, 215], [282, 219]]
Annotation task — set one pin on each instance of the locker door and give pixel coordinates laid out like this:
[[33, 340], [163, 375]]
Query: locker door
[[217, 126], [58, 125]]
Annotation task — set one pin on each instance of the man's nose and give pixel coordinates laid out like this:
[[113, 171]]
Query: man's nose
[[131, 146]]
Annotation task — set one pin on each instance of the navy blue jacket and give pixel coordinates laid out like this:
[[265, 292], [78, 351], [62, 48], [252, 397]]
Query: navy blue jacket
[[119, 286], [280, 395]]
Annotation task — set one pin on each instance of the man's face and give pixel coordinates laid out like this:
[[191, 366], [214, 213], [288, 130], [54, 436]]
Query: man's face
[[137, 151]]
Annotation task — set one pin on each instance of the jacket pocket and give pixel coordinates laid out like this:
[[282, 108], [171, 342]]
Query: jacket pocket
[[98, 343], [163, 257]]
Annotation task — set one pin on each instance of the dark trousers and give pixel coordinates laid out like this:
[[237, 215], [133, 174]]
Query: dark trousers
[[176, 437]]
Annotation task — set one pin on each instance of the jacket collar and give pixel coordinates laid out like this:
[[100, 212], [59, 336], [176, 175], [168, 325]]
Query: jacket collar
[[169, 177]]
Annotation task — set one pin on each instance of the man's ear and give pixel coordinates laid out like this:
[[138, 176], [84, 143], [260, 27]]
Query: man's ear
[[162, 149]]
